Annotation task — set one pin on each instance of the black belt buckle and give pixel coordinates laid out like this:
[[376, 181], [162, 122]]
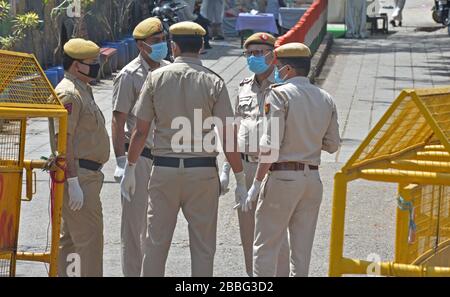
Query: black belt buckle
[[89, 165], [188, 162]]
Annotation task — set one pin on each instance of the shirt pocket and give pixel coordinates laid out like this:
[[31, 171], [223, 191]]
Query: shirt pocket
[[90, 120], [246, 105]]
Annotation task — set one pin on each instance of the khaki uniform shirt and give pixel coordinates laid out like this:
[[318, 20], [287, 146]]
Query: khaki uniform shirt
[[127, 87], [249, 108], [307, 122], [171, 96], [86, 123]]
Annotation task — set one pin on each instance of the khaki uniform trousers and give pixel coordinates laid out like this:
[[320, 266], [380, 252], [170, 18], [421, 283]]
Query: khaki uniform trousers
[[196, 192], [288, 199], [82, 231], [247, 230], [134, 221]]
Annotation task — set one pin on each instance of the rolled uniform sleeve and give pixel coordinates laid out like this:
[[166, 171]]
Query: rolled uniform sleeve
[[72, 103], [122, 92], [332, 140], [144, 108], [222, 109], [273, 130]]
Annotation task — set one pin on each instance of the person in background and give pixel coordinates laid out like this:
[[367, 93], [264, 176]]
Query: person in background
[[355, 19], [261, 5], [192, 13], [213, 10], [246, 5], [397, 15], [187, 13], [273, 6], [204, 22]]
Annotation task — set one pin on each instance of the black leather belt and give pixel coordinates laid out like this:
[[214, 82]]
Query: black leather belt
[[292, 166], [89, 165], [146, 152], [188, 162]]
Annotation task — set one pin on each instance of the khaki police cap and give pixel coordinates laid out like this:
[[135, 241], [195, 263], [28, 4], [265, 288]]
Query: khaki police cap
[[81, 49], [187, 29], [147, 28], [293, 50], [260, 38]]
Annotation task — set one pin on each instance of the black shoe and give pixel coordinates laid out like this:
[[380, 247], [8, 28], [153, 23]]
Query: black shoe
[[208, 46], [219, 37], [399, 24], [393, 23]]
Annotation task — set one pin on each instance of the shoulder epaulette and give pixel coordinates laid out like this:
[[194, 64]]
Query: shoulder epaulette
[[272, 86], [213, 72], [133, 66], [245, 81]]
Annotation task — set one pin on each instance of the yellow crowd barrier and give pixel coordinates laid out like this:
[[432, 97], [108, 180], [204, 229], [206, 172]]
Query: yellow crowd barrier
[[410, 146], [25, 93]]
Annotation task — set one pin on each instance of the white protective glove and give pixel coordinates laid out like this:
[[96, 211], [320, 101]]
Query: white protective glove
[[120, 168], [76, 197], [225, 178], [128, 183], [252, 195], [241, 189]]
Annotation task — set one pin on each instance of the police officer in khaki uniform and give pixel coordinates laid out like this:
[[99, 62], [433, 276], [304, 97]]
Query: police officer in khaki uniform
[[249, 111], [152, 46], [184, 174], [301, 122], [81, 241]]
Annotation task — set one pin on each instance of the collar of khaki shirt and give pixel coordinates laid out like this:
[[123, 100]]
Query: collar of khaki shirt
[[299, 80], [144, 63], [188, 60], [267, 82], [79, 83]]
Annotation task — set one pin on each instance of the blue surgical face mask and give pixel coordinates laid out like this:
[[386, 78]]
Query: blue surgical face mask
[[277, 77], [159, 51], [257, 65]]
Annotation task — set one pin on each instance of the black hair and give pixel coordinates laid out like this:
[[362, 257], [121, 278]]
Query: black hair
[[188, 44], [301, 65], [67, 62]]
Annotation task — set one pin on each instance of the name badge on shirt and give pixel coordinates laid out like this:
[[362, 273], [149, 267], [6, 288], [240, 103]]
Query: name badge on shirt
[[267, 108], [68, 107]]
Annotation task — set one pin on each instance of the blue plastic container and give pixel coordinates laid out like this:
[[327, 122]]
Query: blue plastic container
[[132, 49], [124, 44], [122, 52], [52, 76], [128, 53], [60, 70]]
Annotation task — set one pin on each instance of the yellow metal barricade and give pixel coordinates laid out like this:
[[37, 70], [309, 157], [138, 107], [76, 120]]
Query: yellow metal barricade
[[410, 146], [25, 93]]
